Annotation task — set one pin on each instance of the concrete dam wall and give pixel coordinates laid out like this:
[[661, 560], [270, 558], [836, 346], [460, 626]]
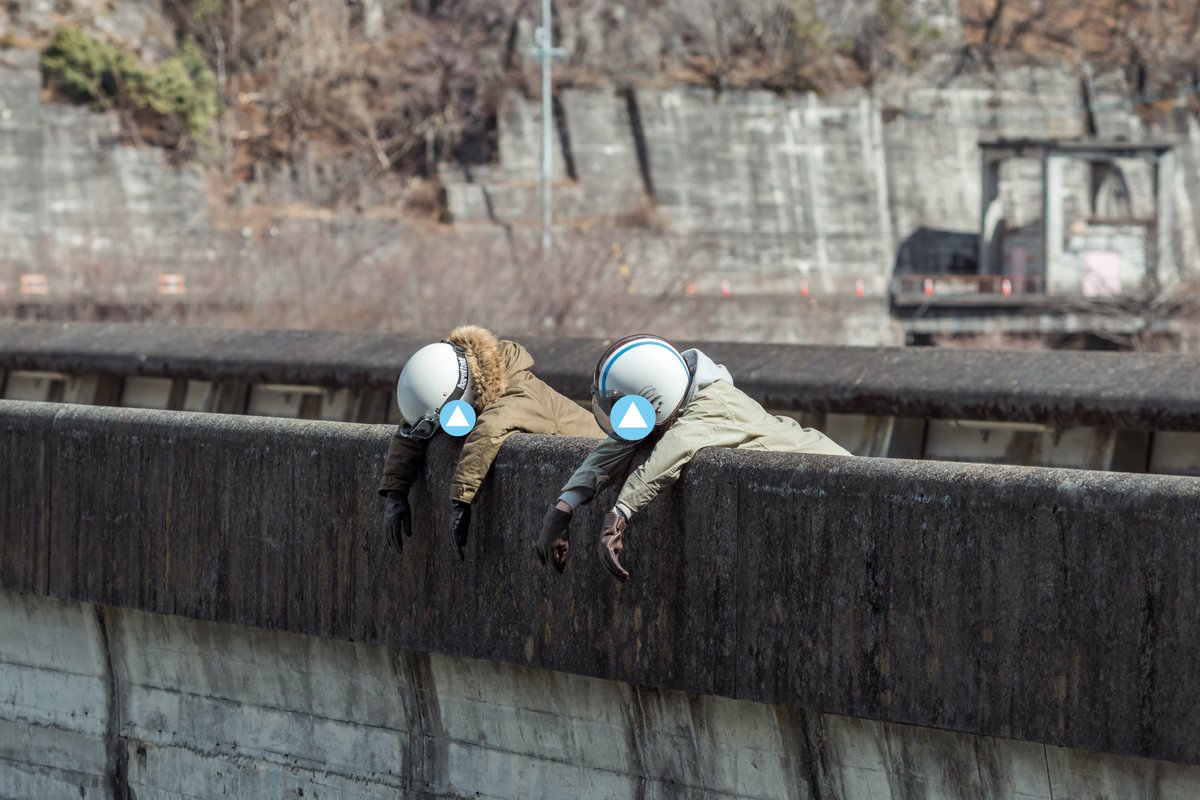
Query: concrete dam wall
[[106, 702], [1049, 606]]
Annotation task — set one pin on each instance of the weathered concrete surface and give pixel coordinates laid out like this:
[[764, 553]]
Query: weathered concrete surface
[[55, 689], [1054, 606], [777, 189], [96, 700], [1130, 391], [76, 197]]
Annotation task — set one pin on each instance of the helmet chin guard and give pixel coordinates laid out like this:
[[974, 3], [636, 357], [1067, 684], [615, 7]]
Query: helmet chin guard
[[645, 365]]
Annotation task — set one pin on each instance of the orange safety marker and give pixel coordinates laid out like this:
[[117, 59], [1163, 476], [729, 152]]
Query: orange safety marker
[[171, 283], [929, 287], [34, 283], [725, 290], [1006, 287], [860, 288]]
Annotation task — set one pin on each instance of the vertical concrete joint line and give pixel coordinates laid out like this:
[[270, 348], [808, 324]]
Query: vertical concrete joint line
[[635, 721], [564, 136], [432, 745], [640, 147], [1085, 96], [117, 764], [1049, 779]]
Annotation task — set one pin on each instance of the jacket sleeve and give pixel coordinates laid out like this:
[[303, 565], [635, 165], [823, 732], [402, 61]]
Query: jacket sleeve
[[610, 458], [480, 450], [707, 424], [404, 461]]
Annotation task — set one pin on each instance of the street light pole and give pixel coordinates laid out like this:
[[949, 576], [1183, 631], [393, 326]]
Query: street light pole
[[544, 51]]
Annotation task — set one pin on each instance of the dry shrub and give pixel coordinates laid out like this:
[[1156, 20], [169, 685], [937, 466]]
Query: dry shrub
[[304, 83], [412, 280], [425, 199], [644, 216]]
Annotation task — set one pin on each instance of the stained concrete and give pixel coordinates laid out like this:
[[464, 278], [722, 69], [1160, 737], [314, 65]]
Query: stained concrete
[[95, 701]]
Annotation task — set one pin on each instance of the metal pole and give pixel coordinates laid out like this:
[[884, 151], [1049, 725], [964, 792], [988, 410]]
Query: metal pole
[[546, 46]]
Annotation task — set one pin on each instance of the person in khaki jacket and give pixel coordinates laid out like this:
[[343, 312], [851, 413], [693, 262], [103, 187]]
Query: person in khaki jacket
[[495, 377], [694, 405]]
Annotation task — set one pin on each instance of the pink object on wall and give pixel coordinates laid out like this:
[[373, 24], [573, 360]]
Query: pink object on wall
[[1101, 273]]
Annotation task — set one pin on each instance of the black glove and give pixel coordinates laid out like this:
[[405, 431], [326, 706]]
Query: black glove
[[460, 525], [398, 519], [553, 545]]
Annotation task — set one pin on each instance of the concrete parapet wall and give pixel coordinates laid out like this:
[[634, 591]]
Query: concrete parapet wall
[[1052, 606], [1130, 391], [95, 701]]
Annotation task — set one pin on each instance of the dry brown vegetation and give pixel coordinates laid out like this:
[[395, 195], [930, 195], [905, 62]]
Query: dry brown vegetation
[[377, 94], [413, 279], [369, 94], [1158, 41]]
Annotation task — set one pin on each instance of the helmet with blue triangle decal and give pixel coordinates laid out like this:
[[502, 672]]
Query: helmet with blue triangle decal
[[645, 365], [433, 376]]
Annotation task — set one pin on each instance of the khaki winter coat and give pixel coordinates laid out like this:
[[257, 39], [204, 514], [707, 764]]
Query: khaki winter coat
[[509, 399], [717, 415]]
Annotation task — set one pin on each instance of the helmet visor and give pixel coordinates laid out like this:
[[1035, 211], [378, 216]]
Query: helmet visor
[[602, 406]]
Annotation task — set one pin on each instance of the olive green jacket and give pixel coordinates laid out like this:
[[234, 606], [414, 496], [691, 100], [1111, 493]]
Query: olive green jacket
[[517, 401], [716, 415]]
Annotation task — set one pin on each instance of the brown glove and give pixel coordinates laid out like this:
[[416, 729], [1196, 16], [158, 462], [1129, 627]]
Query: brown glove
[[612, 537], [552, 544]]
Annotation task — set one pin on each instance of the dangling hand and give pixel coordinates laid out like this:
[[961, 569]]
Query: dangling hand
[[612, 542], [460, 526], [397, 519], [553, 545]]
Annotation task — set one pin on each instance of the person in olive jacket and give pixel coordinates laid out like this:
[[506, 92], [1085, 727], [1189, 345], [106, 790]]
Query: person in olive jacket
[[692, 404], [493, 375]]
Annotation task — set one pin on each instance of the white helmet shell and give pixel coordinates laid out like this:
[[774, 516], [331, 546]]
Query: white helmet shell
[[644, 365], [435, 374]]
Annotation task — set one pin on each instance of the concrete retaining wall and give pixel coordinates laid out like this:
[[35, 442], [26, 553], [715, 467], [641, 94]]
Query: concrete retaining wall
[[1053, 606], [97, 701]]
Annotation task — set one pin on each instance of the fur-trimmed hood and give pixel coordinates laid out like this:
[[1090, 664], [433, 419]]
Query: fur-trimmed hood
[[493, 362]]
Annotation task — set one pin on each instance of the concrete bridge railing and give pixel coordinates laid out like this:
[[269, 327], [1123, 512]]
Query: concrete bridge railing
[[1127, 412], [1054, 606], [1127, 391]]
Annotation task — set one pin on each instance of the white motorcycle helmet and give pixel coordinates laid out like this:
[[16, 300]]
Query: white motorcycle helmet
[[435, 375], [645, 365]]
